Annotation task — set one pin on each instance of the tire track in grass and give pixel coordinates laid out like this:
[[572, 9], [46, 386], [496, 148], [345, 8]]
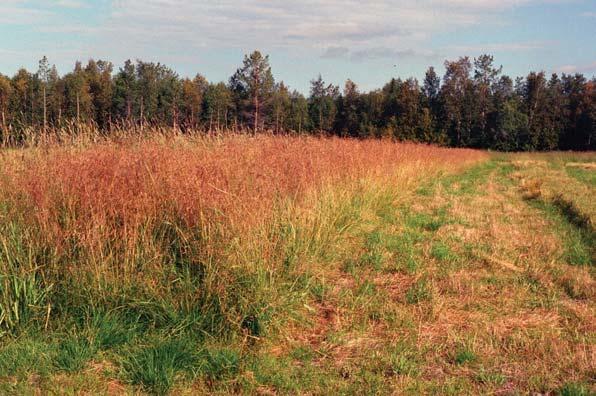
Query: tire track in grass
[[505, 301]]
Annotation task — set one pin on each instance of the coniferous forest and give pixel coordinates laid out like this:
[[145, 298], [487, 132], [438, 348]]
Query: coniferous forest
[[473, 104]]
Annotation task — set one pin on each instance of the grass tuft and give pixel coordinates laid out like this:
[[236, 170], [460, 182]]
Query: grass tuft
[[221, 363], [111, 329], [73, 353], [490, 377], [464, 355], [573, 389], [156, 366]]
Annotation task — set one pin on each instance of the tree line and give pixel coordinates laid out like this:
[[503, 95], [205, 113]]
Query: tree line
[[472, 105]]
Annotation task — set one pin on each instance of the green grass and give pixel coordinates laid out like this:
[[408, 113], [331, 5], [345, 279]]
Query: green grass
[[111, 329], [464, 355], [73, 353], [574, 389], [467, 183], [426, 221], [402, 363], [24, 356], [489, 377], [579, 247], [156, 366], [406, 251], [23, 290], [418, 292], [278, 373], [583, 175], [220, 364], [441, 252]]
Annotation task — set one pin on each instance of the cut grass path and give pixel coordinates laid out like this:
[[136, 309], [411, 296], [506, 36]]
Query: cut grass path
[[467, 288]]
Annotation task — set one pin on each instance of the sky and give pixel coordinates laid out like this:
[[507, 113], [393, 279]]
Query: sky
[[367, 41]]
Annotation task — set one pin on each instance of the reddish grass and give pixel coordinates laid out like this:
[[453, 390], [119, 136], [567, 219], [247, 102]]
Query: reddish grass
[[115, 187]]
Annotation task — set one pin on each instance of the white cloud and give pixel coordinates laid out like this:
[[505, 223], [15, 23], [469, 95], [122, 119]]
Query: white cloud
[[307, 24], [36, 12], [497, 47], [183, 31], [319, 24], [335, 53], [18, 12], [588, 14], [396, 55], [70, 4], [570, 69]]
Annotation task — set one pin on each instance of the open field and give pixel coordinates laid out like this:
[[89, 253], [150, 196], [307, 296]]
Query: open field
[[294, 265]]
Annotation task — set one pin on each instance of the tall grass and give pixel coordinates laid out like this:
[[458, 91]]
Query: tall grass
[[23, 292], [185, 233]]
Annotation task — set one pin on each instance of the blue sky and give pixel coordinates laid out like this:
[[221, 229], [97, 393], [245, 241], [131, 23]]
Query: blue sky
[[367, 41]]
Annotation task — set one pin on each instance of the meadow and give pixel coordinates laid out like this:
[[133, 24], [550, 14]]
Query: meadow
[[210, 264]]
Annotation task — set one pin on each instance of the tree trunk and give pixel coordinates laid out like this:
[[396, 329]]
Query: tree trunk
[[33, 118], [4, 130], [320, 121], [78, 111], [277, 122], [142, 115], [45, 116], [174, 116], [197, 117], [256, 99]]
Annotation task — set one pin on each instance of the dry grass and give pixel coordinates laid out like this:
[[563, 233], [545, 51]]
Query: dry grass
[[531, 189], [236, 177], [109, 200], [583, 165]]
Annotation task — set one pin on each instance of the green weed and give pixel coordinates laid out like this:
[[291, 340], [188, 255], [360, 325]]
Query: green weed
[[418, 292], [442, 252], [464, 355]]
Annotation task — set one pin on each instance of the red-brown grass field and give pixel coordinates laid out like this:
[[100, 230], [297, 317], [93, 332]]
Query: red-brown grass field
[[194, 264]]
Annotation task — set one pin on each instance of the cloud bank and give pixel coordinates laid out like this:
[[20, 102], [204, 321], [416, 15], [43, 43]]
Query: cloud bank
[[365, 28]]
